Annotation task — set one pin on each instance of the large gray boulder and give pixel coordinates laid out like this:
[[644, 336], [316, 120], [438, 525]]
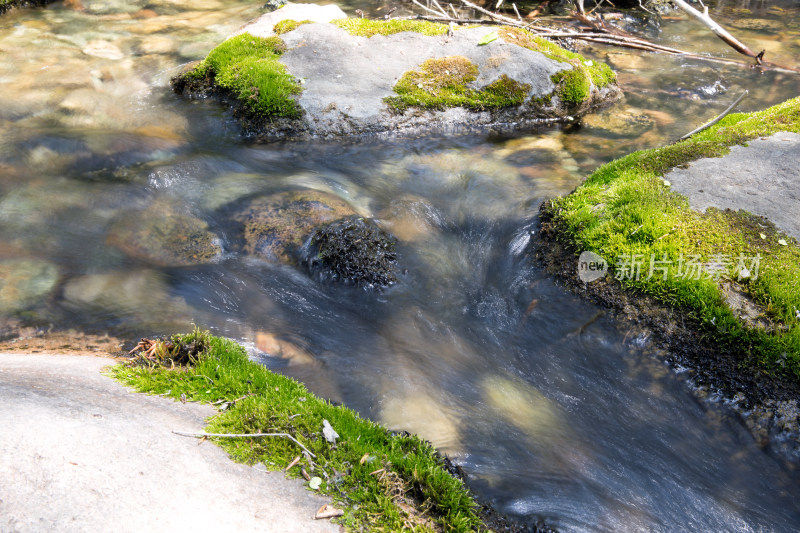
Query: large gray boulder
[[351, 75]]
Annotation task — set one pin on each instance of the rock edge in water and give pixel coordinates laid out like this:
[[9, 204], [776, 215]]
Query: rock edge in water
[[308, 71]]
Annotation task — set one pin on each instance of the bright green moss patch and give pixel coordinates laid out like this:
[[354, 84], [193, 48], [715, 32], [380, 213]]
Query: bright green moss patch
[[625, 210], [248, 67], [368, 28], [444, 83], [285, 26], [384, 482], [572, 87]]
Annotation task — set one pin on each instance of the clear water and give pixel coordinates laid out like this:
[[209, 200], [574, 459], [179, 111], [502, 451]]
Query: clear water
[[475, 349]]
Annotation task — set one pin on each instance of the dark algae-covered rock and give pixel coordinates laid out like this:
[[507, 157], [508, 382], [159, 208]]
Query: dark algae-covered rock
[[6, 5], [306, 71], [274, 227], [354, 251]]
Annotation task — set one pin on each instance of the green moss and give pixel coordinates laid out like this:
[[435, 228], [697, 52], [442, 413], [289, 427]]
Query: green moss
[[573, 87], [368, 28], [248, 67], [285, 26], [624, 208], [601, 74], [411, 471], [443, 83]]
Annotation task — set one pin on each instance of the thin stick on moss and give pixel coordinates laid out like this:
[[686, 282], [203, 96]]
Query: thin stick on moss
[[717, 119], [244, 435]]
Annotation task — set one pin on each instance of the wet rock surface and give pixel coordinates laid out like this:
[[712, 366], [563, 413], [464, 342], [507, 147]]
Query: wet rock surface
[[25, 282], [135, 295], [274, 227], [166, 238]]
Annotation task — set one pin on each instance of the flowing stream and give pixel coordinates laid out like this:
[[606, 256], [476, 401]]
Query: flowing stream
[[555, 412]]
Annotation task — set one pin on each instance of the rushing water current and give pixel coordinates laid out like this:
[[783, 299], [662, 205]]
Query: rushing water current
[[556, 413]]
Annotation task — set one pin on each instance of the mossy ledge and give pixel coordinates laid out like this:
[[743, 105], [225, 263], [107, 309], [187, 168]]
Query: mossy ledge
[[573, 87], [245, 69], [361, 27], [382, 480], [625, 207]]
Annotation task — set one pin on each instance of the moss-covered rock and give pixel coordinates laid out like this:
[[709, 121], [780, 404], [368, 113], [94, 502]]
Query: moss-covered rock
[[375, 76], [416, 493], [574, 87], [247, 68], [161, 236], [276, 226]]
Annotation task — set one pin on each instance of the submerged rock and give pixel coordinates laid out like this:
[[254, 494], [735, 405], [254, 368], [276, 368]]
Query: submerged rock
[[277, 347], [274, 227], [165, 238], [25, 282], [339, 77], [411, 218], [143, 294]]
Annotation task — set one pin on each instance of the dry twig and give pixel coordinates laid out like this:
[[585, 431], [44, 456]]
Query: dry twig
[[717, 119], [246, 435], [599, 35]]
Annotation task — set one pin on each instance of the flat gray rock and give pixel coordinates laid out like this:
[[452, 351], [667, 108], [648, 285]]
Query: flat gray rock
[[80, 452], [762, 178], [345, 78]]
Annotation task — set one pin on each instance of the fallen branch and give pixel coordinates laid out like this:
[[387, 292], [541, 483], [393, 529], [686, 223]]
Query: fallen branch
[[718, 30], [717, 119], [429, 10], [616, 38], [245, 435], [488, 13]]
